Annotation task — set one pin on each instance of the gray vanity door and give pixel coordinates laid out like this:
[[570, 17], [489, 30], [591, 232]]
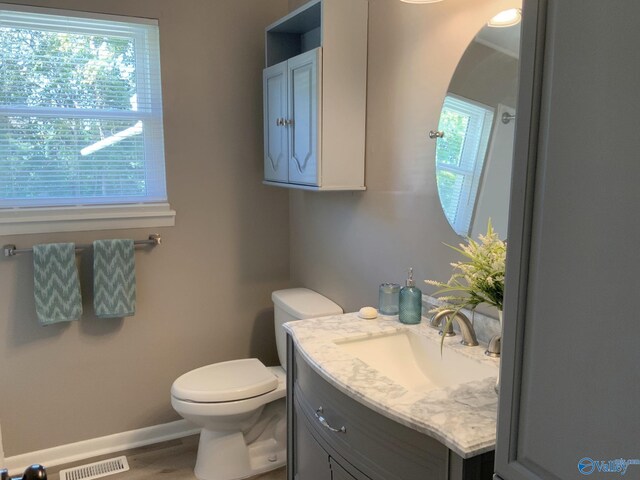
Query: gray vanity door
[[311, 461], [339, 473], [571, 346]]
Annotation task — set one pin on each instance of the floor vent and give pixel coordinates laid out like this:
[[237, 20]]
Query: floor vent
[[96, 470]]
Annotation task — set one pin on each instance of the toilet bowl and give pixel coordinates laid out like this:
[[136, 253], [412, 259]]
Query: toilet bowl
[[243, 424], [240, 404]]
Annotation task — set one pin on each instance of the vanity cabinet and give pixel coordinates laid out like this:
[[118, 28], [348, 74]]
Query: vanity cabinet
[[312, 461], [315, 88], [332, 436], [339, 473]]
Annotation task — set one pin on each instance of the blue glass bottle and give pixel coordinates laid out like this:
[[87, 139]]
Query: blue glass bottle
[[410, 302]]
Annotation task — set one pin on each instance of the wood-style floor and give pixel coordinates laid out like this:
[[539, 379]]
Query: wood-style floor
[[173, 460]]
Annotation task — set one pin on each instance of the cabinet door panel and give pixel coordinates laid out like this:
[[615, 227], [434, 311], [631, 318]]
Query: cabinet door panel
[[276, 143], [304, 98], [311, 461], [339, 473]]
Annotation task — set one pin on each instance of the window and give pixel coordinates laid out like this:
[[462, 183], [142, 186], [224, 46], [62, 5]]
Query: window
[[81, 136], [460, 157]]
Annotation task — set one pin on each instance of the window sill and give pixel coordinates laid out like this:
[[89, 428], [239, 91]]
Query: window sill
[[84, 218]]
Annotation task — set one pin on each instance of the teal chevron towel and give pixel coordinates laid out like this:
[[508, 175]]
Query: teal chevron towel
[[56, 285], [114, 278]]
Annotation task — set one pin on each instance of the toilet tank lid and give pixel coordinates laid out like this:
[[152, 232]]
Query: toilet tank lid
[[304, 303]]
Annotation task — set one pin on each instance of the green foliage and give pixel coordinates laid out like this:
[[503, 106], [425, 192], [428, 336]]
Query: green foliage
[[56, 75], [479, 279], [52, 69], [449, 147], [449, 154], [449, 186]]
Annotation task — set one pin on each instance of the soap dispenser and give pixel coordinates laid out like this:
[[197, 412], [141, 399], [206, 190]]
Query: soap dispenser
[[410, 302]]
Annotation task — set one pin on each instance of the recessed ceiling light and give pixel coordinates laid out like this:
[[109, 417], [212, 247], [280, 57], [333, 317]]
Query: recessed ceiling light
[[507, 18]]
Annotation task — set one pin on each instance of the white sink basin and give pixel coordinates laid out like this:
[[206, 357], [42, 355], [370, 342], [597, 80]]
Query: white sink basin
[[414, 361]]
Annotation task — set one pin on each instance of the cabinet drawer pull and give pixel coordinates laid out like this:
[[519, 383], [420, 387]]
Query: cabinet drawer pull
[[326, 425]]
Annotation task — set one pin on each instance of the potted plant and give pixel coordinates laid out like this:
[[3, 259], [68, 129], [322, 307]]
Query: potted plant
[[479, 278]]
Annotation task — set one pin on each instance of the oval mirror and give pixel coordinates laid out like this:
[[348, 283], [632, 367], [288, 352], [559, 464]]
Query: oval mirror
[[474, 146]]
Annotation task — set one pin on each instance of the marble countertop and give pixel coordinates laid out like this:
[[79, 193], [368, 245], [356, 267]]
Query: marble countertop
[[462, 417]]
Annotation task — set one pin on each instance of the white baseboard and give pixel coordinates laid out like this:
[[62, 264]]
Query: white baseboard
[[94, 447]]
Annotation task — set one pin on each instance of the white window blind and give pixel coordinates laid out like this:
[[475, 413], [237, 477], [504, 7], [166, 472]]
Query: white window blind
[[80, 110], [460, 156]]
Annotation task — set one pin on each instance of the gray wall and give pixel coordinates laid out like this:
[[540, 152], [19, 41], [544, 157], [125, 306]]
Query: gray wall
[[204, 296], [345, 244]]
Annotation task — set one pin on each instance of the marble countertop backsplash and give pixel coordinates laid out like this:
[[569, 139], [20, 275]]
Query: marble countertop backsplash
[[462, 417]]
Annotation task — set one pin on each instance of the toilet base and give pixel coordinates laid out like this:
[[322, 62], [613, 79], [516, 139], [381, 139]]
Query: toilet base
[[234, 456]]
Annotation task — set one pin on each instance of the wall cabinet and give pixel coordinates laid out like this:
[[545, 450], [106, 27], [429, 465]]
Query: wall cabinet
[[370, 447], [315, 88], [276, 140], [291, 119]]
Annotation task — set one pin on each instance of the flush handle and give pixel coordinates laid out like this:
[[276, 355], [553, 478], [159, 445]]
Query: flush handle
[[325, 424]]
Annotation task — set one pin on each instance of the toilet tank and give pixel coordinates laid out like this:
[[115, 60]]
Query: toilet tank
[[297, 304]]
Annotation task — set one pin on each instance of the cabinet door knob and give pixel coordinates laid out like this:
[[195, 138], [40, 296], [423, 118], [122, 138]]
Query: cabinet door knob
[[279, 122], [288, 123], [433, 134], [326, 425]]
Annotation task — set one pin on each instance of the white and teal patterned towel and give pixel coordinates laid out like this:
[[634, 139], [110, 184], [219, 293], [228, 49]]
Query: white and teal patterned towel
[[56, 285], [114, 278]]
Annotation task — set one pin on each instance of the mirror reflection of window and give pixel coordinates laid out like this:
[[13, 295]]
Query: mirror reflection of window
[[460, 157], [474, 157]]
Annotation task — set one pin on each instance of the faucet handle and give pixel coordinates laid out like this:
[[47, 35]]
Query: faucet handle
[[495, 346]]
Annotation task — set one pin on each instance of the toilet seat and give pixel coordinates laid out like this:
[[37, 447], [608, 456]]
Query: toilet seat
[[237, 407], [225, 382]]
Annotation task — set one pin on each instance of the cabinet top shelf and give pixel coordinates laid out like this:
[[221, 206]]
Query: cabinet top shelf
[[305, 18]]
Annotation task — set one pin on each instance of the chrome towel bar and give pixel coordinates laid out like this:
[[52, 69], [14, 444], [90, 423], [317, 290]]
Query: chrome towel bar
[[153, 240]]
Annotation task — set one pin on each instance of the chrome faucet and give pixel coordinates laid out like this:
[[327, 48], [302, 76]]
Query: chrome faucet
[[468, 333]]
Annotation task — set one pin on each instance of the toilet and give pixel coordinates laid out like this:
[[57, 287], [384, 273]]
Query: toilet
[[240, 404]]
